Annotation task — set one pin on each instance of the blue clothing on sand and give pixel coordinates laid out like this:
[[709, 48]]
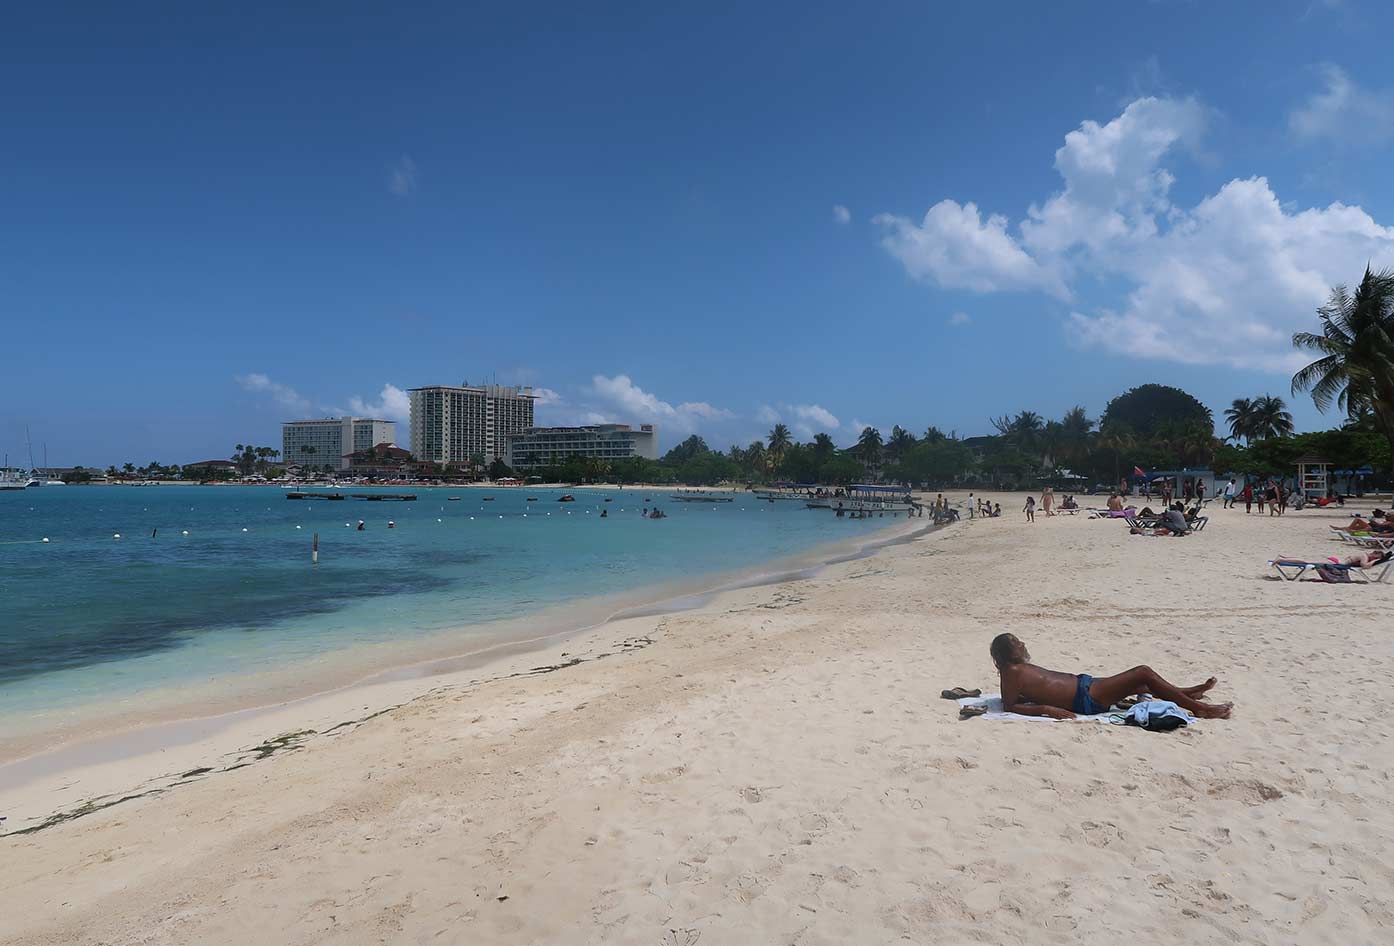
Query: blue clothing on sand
[[1086, 705]]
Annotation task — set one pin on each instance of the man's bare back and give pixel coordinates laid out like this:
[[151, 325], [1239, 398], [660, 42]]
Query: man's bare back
[[1024, 684]]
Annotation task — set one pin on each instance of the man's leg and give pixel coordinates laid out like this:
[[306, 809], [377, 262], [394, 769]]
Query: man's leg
[[1109, 690]]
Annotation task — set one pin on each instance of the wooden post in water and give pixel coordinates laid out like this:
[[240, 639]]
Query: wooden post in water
[[314, 555]]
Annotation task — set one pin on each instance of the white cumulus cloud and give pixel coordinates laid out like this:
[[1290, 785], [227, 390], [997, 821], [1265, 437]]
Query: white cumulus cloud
[[1226, 281], [283, 394], [816, 414], [954, 248], [805, 419], [392, 404], [625, 397], [546, 397], [841, 214], [1343, 111]]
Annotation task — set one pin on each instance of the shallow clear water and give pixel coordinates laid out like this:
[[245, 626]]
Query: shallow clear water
[[88, 617]]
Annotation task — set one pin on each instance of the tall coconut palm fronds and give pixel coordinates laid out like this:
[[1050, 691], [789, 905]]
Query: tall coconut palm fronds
[[1240, 415], [1355, 367], [1270, 418]]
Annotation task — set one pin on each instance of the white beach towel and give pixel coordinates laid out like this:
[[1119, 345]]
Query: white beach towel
[[993, 702]]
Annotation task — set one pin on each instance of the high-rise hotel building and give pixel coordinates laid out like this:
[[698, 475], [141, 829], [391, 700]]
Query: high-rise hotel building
[[330, 440], [452, 424]]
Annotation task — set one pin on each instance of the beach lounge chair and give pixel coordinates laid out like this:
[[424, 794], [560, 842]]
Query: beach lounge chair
[[1293, 569], [1367, 540]]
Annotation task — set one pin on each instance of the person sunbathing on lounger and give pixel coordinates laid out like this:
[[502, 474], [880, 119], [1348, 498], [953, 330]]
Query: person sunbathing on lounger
[[1378, 522], [1034, 691], [1172, 522], [1367, 559]]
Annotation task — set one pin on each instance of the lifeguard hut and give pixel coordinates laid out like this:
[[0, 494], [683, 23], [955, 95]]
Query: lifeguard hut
[[1313, 475]]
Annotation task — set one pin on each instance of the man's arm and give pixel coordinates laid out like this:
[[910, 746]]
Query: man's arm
[[1037, 709]]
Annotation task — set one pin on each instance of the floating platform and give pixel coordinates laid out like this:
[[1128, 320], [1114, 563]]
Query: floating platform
[[314, 495]]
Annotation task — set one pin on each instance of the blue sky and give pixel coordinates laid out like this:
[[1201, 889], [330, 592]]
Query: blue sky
[[211, 222]]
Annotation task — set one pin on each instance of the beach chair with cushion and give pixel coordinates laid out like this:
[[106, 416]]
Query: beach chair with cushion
[[1368, 540], [1293, 569]]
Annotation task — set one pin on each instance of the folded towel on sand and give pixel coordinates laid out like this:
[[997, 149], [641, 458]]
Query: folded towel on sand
[[992, 704]]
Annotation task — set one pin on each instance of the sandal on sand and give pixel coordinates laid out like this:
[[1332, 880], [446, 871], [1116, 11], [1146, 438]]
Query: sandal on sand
[[968, 712], [959, 693]]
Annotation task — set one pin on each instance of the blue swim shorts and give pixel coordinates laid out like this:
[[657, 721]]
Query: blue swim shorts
[[1086, 705]]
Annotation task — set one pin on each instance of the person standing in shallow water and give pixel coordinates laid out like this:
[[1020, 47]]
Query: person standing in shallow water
[[1035, 691]]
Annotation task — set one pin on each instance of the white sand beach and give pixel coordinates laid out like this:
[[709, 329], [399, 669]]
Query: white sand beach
[[777, 766]]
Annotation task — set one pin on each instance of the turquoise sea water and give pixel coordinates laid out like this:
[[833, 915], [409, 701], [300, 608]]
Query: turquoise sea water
[[87, 617]]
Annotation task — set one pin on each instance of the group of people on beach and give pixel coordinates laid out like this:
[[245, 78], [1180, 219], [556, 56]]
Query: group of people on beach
[[1273, 494], [980, 508], [1048, 504]]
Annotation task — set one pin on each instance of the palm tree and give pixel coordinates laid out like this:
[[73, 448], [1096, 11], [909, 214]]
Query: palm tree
[[900, 443], [1117, 437], [757, 458], [1240, 415], [869, 446], [1196, 444], [1050, 440], [1023, 430], [1356, 345], [823, 448], [933, 435], [1271, 418], [779, 445], [1076, 430]]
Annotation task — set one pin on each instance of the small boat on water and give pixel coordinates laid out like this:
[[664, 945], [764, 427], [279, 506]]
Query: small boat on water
[[702, 496], [532, 499], [487, 499], [866, 500], [568, 498], [788, 492], [452, 499]]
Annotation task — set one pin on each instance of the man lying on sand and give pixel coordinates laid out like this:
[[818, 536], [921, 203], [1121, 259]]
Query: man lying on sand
[[1035, 691]]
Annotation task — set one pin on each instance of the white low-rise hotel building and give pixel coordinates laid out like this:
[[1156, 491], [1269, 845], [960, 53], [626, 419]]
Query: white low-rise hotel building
[[330, 440], [452, 425], [553, 446]]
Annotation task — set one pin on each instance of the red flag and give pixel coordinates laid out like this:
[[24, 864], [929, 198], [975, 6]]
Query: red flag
[[1138, 472]]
